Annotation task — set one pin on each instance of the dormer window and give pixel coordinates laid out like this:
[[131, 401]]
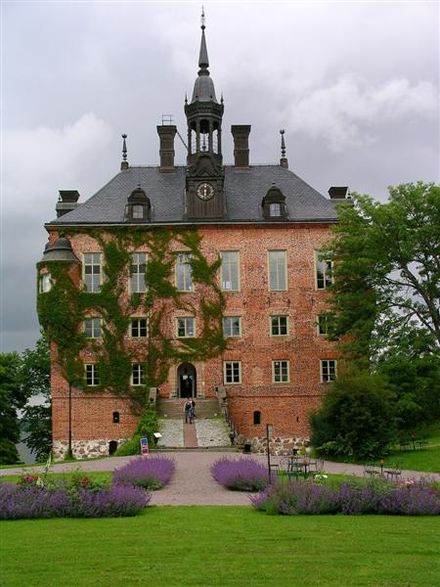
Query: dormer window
[[274, 205], [138, 207], [275, 209]]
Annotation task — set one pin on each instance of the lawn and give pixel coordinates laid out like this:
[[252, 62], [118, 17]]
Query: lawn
[[424, 459], [221, 546]]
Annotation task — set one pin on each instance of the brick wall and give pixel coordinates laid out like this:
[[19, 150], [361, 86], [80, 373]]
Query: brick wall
[[285, 405]]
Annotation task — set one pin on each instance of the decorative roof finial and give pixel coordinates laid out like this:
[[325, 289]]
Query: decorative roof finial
[[283, 161], [203, 55], [124, 162]]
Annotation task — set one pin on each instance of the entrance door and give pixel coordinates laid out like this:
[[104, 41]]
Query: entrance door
[[187, 380]]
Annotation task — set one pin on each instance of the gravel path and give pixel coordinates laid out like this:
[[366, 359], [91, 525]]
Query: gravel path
[[192, 483]]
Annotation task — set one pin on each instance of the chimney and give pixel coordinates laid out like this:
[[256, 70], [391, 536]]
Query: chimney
[[166, 133], [340, 194], [240, 132], [67, 201]]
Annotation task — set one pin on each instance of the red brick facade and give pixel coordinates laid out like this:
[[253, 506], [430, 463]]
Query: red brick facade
[[285, 405]]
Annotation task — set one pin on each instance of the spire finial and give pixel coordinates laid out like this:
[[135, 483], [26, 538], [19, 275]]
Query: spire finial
[[203, 55], [124, 162], [283, 161]]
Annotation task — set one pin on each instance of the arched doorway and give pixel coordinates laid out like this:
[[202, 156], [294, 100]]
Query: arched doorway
[[187, 380]]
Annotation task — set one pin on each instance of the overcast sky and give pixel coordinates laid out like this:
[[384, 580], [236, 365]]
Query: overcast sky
[[355, 85]]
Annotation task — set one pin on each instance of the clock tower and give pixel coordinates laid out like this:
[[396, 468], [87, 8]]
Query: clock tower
[[205, 173]]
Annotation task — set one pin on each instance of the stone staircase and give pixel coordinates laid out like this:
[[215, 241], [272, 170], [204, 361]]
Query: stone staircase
[[204, 433], [173, 408]]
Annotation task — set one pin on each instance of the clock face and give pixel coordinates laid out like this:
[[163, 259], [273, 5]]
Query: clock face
[[205, 191]]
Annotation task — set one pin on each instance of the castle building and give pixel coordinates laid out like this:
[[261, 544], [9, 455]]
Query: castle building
[[203, 280]]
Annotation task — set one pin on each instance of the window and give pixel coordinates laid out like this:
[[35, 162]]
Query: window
[[137, 211], [45, 283], [92, 375], [185, 327], [280, 372], [323, 272], [116, 418], [230, 274], [328, 370], [275, 209], [323, 324], [138, 374], [184, 272], [139, 327], [232, 371], [231, 326], [257, 417], [278, 325], [92, 272], [137, 273], [277, 271], [92, 327]]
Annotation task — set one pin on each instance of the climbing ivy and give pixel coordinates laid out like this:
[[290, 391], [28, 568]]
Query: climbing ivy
[[63, 309]]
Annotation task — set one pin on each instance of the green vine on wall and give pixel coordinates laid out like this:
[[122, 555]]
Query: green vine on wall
[[63, 309]]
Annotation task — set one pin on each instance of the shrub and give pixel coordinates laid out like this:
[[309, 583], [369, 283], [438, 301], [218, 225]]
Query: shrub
[[148, 425], [356, 419], [354, 497], [243, 474], [149, 472], [31, 501]]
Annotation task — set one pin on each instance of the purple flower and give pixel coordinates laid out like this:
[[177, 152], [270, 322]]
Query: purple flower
[[243, 474], [146, 472]]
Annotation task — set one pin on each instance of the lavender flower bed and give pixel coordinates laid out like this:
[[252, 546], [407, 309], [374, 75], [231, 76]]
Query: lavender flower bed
[[149, 473], [243, 474], [32, 501], [418, 498]]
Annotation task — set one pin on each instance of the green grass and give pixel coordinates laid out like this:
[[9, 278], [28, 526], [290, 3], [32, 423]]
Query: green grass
[[221, 546], [94, 475]]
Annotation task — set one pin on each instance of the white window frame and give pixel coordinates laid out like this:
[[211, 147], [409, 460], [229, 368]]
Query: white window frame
[[329, 370], [45, 283], [278, 317], [225, 328], [281, 371], [185, 321], [91, 374], [138, 211], [275, 209], [183, 272], [277, 267], [232, 372], [139, 327], [138, 260], [93, 260], [323, 269], [137, 374], [230, 265], [96, 325]]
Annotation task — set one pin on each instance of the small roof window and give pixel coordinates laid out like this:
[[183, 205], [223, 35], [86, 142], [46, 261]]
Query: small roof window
[[274, 205], [138, 208]]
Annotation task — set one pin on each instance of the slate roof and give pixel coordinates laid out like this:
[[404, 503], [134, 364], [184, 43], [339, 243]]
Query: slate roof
[[244, 192]]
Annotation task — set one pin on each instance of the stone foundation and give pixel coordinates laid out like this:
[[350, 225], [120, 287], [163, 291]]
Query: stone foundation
[[278, 446], [84, 449]]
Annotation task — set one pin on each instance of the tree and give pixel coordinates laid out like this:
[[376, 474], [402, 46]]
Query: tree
[[387, 270], [35, 380], [12, 398], [356, 419]]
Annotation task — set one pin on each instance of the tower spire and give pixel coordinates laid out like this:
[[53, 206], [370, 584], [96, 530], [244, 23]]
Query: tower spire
[[203, 55]]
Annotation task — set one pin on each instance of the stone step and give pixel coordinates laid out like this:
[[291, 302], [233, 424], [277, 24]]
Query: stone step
[[204, 433], [173, 408]]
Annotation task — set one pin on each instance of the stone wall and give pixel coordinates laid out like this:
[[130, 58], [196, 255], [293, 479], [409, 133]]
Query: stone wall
[[83, 449]]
